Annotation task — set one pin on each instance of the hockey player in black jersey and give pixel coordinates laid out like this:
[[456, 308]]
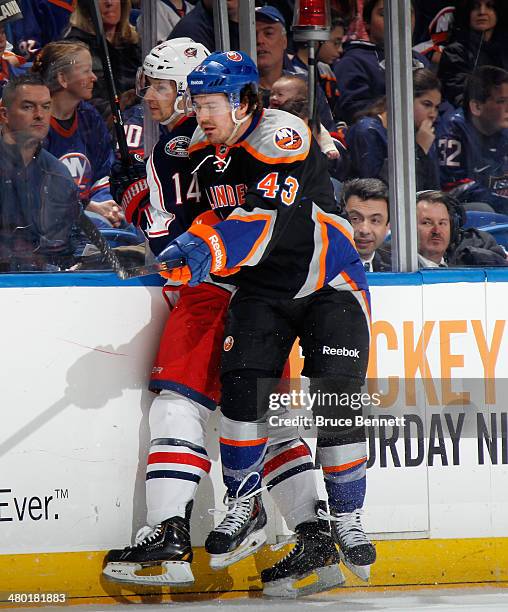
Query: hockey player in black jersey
[[283, 243], [186, 370]]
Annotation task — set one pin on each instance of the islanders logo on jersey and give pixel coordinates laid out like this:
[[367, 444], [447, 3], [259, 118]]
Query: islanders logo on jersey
[[81, 171], [287, 139], [234, 56], [177, 147]]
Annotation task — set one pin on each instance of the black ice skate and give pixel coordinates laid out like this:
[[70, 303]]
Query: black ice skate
[[356, 550], [166, 545], [240, 534], [314, 553]]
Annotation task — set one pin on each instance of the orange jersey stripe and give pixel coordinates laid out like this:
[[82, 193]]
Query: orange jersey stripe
[[243, 442], [345, 466], [256, 217]]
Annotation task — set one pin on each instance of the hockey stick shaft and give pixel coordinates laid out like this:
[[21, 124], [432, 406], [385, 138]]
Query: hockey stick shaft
[[93, 234], [93, 6]]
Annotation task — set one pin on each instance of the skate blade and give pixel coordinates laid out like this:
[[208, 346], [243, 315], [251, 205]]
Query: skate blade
[[361, 571], [176, 573], [249, 546], [328, 577]]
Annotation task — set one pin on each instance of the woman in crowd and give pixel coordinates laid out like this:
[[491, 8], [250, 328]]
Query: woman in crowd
[[78, 135], [478, 39], [367, 138], [123, 46]]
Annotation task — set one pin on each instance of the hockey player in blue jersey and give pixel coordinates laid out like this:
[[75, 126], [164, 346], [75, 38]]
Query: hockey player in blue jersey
[[283, 243], [473, 141], [78, 136]]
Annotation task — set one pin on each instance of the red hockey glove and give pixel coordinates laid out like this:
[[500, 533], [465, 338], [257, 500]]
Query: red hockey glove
[[130, 189]]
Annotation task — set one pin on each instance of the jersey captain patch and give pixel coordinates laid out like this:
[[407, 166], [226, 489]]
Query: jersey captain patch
[[177, 147], [287, 139]]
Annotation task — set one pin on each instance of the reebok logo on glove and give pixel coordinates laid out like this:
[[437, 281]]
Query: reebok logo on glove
[[218, 255]]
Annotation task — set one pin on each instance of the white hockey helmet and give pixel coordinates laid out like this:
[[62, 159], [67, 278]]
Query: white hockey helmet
[[171, 60]]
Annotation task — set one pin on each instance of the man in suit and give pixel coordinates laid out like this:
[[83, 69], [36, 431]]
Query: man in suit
[[366, 202]]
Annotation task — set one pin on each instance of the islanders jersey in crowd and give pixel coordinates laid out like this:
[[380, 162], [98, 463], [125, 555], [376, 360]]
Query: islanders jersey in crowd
[[472, 159], [84, 145], [43, 21], [283, 225]]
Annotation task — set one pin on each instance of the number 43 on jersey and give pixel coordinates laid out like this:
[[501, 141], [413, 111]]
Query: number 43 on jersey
[[270, 186]]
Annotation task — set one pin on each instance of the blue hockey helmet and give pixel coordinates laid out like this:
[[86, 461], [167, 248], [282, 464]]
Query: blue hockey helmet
[[223, 72]]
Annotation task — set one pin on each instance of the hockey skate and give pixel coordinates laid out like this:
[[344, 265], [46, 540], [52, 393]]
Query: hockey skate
[[240, 534], [166, 545], [356, 551], [314, 553]]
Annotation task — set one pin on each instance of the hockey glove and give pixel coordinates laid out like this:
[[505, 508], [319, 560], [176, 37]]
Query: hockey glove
[[203, 251], [129, 188]]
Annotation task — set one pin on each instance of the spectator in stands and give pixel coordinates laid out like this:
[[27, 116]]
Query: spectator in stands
[[198, 25], [10, 63], [434, 20], [289, 93], [366, 202], [78, 135], [367, 139], [328, 53], [168, 14], [43, 21], [478, 39], [273, 62], [443, 242], [38, 199], [361, 70], [473, 142], [123, 46]]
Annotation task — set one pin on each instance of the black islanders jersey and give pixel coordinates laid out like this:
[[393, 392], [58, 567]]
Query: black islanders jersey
[[280, 220]]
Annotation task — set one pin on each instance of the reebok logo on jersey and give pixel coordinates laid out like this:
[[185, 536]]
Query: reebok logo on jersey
[[341, 352], [218, 255]]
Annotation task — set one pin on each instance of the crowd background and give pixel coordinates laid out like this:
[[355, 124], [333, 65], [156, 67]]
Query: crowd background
[[460, 98]]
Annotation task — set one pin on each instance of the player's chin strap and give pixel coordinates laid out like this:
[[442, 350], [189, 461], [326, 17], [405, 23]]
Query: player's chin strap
[[177, 112], [238, 124]]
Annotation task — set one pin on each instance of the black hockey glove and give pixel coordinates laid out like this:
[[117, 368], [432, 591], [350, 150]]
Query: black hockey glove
[[129, 188]]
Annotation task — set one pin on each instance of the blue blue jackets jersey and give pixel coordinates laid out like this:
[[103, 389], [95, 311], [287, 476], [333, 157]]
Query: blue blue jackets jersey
[[470, 159], [87, 151], [43, 21], [281, 225], [361, 77], [174, 190]]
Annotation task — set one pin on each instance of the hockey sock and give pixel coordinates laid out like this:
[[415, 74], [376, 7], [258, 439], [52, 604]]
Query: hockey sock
[[242, 450], [177, 458], [289, 475], [344, 468]]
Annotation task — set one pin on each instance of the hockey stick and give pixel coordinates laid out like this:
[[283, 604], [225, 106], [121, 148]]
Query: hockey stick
[[151, 268], [93, 7], [93, 234]]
